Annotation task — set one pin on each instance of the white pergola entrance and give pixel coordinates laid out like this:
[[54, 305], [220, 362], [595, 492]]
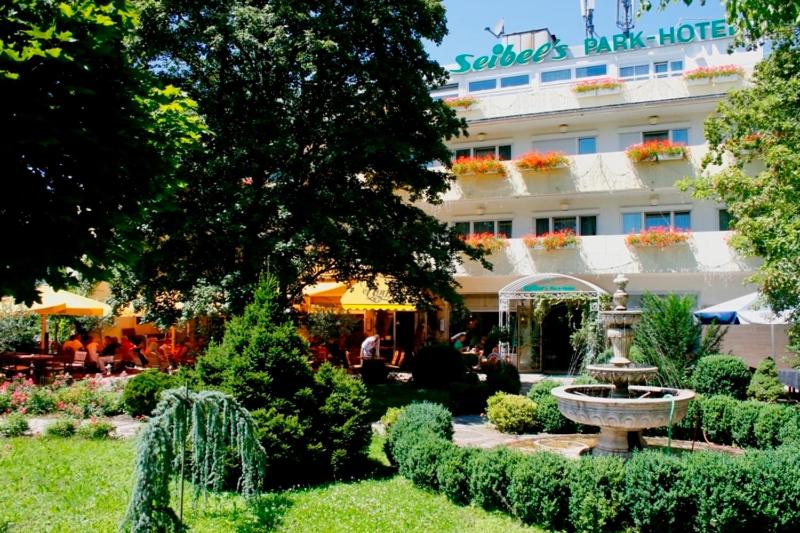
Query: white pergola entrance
[[550, 286]]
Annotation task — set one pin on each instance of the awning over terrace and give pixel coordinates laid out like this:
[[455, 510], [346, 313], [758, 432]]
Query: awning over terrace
[[357, 297]]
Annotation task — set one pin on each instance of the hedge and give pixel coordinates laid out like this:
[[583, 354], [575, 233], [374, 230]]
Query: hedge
[[721, 374], [653, 491]]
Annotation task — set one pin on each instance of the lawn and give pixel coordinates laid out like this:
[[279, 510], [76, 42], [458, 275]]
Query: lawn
[[77, 485], [388, 395]]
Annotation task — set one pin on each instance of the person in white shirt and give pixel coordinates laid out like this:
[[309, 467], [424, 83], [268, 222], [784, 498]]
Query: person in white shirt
[[371, 347]]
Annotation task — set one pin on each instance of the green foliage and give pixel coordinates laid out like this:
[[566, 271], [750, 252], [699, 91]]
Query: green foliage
[[489, 477], [503, 377], [143, 391], [328, 324], [542, 389], [420, 456], [655, 492], [62, 428], [765, 385], [670, 338], [438, 365], [539, 489], [511, 413], [418, 418], [211, 425], [718, 413], [549, 418], [92, 117], [469, 398], [390, 417], [96, 430], [18, 331], [15, 425], [721, 374], [597, 494], [719, 487], [451, 474]]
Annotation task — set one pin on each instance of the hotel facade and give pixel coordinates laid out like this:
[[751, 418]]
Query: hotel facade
[[530, 97]]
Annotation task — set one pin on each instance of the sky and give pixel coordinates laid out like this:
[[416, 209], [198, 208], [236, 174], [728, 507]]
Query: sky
[[466, 20]]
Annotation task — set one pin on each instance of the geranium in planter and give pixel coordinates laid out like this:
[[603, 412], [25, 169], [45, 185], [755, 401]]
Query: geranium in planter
[[598, 87], [556, 240], [541, 161], [722, 73], [478, 165], [489, 242], [461, 102], [656, 151], [658, 237]]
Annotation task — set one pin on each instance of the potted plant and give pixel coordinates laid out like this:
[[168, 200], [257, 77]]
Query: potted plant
[[656, 151], [537, 161], [486, 165], [488, 242], [556, 240], [658, 237], [718, 74], [460, 102], [598, 87]]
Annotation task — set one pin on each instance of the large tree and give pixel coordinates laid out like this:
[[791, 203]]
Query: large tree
[[324, 130], [89, 143]]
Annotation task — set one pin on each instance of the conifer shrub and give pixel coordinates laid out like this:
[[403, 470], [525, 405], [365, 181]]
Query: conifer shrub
[[721, 374], [765, 385], [539, 490], [143, 391]]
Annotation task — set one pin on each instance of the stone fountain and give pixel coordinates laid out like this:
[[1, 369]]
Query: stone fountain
[[621, 406]]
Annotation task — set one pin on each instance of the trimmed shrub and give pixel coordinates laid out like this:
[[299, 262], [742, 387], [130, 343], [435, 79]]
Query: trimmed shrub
[[538, 491], [418, 418], [96, 430], [742, 422], [437, 366], [774, 496], [489, 477], [550, 420], [542, 389], [420, 455], [469, 398], [62, 428], [596, 501], [655, 492], [503, 377], [769, 424], [717, 413], [390, 417], [143, 391], [721, 374], [765, 385], [15, 425], [511, 413], [718, 485], [452, 474]]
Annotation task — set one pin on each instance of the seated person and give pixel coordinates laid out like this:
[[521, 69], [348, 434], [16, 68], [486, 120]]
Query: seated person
[[458, 341], [93, 353], [74, 343], [110, 347]]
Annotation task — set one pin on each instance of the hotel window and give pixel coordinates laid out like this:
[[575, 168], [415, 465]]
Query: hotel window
[[634, 222], [635, 72], [515, 81], [482, 85], [551, 76], [590, 71], [495, 227], [587, 145], [578, 224], [648, 136], [502, 152], [678, 135], [664, 69], [725, 220]]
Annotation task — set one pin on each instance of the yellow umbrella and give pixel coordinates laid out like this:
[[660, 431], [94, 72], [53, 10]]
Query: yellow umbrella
[[65, 303]]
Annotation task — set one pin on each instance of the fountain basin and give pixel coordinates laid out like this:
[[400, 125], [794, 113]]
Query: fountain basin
[[621, 419], [622, 375]]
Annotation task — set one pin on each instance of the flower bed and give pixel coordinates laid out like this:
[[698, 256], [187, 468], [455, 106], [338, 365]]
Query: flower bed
[[541, 161], [556, 240], [460, 102], [710, 73], [478, 165], [602, 84], [487, 241], [656, 151], [81, 399], [657, 238]]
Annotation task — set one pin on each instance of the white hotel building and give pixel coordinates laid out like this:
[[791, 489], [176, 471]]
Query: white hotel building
[[601, 195]]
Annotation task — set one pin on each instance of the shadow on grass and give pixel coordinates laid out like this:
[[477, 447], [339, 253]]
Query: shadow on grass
[[386, 395]]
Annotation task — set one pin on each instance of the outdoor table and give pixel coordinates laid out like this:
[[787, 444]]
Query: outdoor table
[[35, 361]]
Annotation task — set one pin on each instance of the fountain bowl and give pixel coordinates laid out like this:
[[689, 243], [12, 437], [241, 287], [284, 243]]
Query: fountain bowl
[[622, 375], [621, 419]]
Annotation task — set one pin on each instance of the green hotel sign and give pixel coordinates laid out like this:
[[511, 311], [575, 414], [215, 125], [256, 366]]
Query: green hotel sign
[[504, 56]]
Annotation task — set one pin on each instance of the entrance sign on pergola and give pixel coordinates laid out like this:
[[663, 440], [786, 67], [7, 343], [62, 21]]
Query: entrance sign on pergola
[[550, 286]]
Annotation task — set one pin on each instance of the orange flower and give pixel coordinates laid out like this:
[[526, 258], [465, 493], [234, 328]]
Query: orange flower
[[651, 150], [478, 165], [489, 242], [541, 161], [658, 237]]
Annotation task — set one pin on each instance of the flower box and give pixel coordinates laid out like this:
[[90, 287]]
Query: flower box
[[718, 74], [601, 87], [461, 102], [489, 242], [698, 81], [483, 166], [730, 78], [658, 237], [557, 240], [538, 161], [656, 151]]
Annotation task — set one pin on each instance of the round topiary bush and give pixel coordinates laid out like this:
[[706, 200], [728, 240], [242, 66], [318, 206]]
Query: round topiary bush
[[542, 389], [717, 414], [437, 366], [418, 418], [511, 413], [143, 392], [721, 374], [765, 385]]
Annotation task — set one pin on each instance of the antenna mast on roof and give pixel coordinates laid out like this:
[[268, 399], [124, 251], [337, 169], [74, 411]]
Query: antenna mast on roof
[[587, 12], [625, 9]]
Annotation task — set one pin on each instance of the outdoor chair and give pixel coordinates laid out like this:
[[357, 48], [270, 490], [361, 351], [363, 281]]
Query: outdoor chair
[[78, 362], [62, 361], [11, 365], [397, 360]]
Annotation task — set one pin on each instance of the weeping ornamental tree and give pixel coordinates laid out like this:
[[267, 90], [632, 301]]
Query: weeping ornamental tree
[[201, 429]]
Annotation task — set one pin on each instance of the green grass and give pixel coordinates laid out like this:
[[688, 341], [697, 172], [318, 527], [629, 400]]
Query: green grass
[[68, 485], [389, 395]]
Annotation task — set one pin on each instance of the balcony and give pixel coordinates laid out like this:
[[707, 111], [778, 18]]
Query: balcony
[[705, 252]]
